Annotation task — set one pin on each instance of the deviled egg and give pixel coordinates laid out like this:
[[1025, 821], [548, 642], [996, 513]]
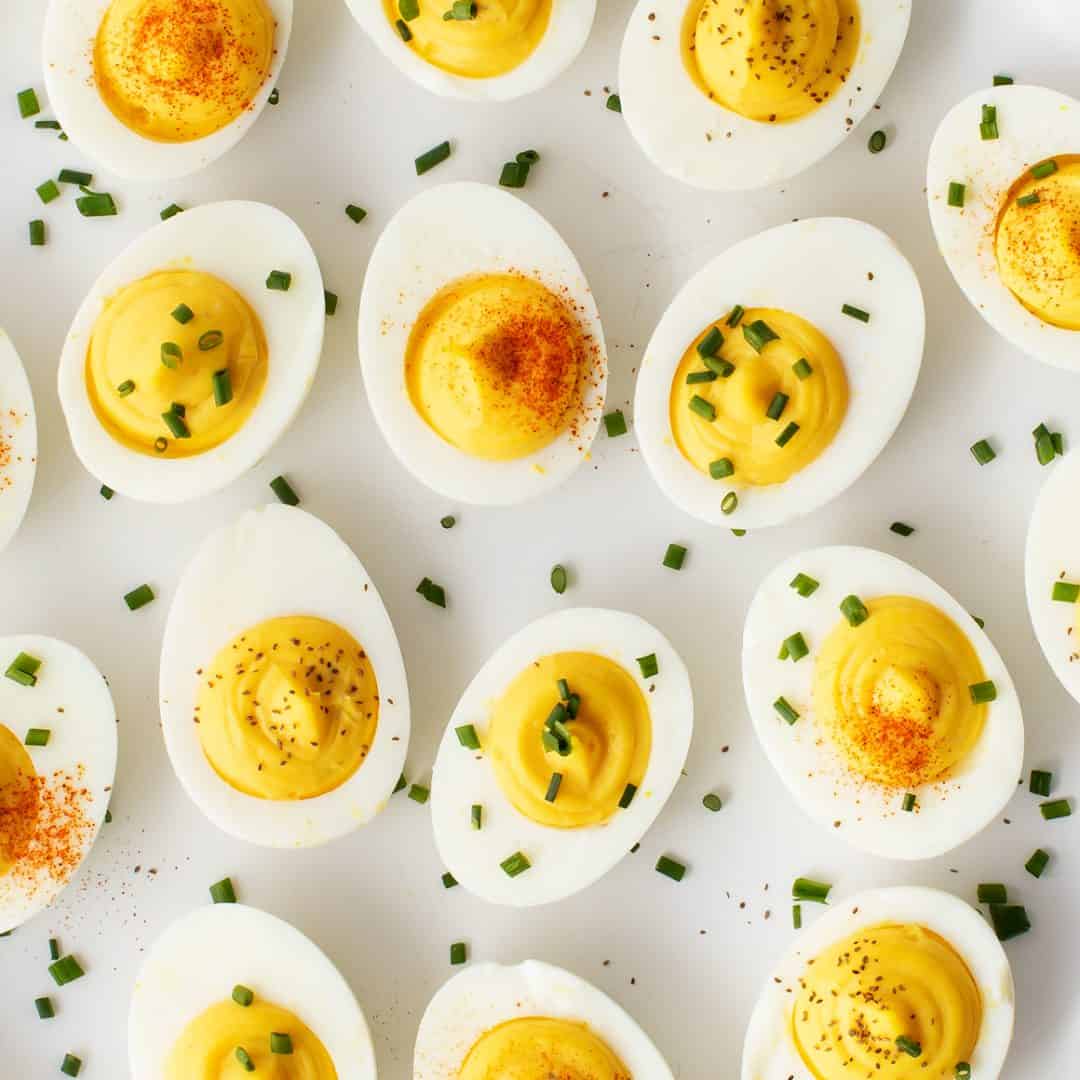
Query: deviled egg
[[18, 441], [530, 1020], [283, 697], [559, 756], [57, 762], [730, 95], [906, 983], [770, 385], [1003, 185], [880, 701], [481, 346], [193, 351], [229, 990], [491, 51], [156, 89]]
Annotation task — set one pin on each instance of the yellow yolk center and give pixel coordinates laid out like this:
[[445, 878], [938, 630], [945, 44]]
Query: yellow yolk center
[[1038, 243], [495, 365], [18, 799], [770, 60], [742, 431], [131, 386], [541, 1048], [503, 34], [288, 709], [881, 984], [893, 693], [610, 739], [177, 70], [207, 1047]]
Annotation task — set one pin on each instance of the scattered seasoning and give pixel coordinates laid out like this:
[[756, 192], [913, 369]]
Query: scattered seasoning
[[476, 816], [44, 1007], [783, 707], [430, 158], [855, 313], [138, 597], [37, 233], [330, 302], [758, 334], [614, 103], [674, 557], [467, 736], [808, 890], [877, 142], [278, 280], [558, 578], [908, 804], [419, 794], [1010, 920], [66, 970], [284, 491], [670, 868], [854, 610], [71, 1065], [48, 191], [222, 892], [956, 193], [908, 1046], [280, 1043], [901, 529], [648, 665], [712, 802], [448, 880], [171, 211], [983, 452], [992, 893], [515, 864], [804, 585], [615, 424], [457, 952], [431, 592], [983, 692], [28, 103], [23, 669], [1040, 782], [1037, 863], [627, 796], [242, 995], [1058, 808]]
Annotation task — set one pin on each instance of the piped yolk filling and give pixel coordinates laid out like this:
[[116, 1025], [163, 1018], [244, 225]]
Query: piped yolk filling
[[19, 799]]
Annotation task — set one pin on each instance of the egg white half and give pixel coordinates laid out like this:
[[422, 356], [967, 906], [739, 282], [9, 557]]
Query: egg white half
[[810, 268], [769, 1053], [72, 700], [240, 242], [701, 143], [18, 433], [276, 561], [1033, 124], [71, 27], [439, 236], [486, 995], [948, 811], [200, 958]]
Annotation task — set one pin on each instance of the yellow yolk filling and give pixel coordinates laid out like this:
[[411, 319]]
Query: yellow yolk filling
[[495, 365], [610, 740], [126, 347], [177, 70], [18, 799], [893, 693], [742, 430], [503, 34], [883, 983], [770, 60], [288, 709], [1038, 245], [541, 1048], [206, 1049]]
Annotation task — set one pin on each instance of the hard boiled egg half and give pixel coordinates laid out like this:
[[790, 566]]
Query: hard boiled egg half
[[156, 89], [283, 697], [229, 990], [731, 95], [18, 441], [780, 371], [908, 983], [193, 351], [530, 1019], [481, 346], [57, 762], [559, 756], [880, 701], [1003, 185], [489, 51]]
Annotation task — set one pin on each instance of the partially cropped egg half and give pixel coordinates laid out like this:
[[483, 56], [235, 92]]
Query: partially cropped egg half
[[905, 983], [493, 50], [559, 756], [780, 371], [481, 346], [230, 990], [730, 95], [283, 697], [18, 441], [156, 89], [880, 701], [193, 351], [1003, 185], [57, 761], [530, 1021]]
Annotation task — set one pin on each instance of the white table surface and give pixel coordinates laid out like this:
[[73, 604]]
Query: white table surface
[[687, 960]]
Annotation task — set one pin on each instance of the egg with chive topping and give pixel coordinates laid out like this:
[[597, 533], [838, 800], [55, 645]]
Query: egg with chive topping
[[18, 441]]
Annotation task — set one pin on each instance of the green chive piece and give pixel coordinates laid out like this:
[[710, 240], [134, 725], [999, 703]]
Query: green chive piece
[[614, 103], [854, 610], [222, 383], [908, 805], [983, 452], [804, 585], [573, 706], [696, 377], [356, 213], [777, 406], [796, 916], [432, 592], [901, 529], [1066, 592], [514, 174], [877, 142], [670, 868], [96, 204], [735, 315], [461, 11], [138, 597], [527, 157], [467, 736], [66, 970], [908, 1046], [1044, 445], [280, 1043], [1028, 200], [1037, 863], [430, 158], [44, 1008], [37, 736], [54, 949], [28, 103], [178, 409], [627, 797], [1059, 442], [37, 233], [330, 302], [648, 665], [108, 816], [171, 211], [448, 522], [183, 314], [729, 503], [720, 468], [125, 388], [783, 707], [674, 556], [284, 491], [71, 1065], [48, 125], [457, 952], [1010, 920], [564, 689], [1044, 169], [559, 578], [245, 1059], [855, 313], [75, 176], [710, 344], [515, 864], [401, 784], [275, 97], [705, 409], [242, 995], [476, 816], [810, 891], [963, 1069], [1003, 80], [957, 192], [176, 424], [783, 653], [719, 366], [787, 434], [553, 787], [1041, 782], [210, 340], [172, 356], [758, 334], [1058, 808], [222, 892], [802, 369], [409, 9], [279, 280], [419, 794], [988, 128], [615, 424], [796, 646], [23, 669], [712, 802], [983, 692], [448, 880], [48, 191], [992, 893]]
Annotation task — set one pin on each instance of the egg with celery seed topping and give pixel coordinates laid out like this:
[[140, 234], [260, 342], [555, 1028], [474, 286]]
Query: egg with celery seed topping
[[481, 346], [18, 441], [158, 89], [559, 755], [730, 95], [1003, 188], [531, 1021], [769, 387], [491, 51], [284, 702], [57, 763], [193, 351], [880, 701], [900, 982], [228, 989]]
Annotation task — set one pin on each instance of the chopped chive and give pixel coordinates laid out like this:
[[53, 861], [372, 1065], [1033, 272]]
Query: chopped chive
[[176, 424], [712, 802], [729, 503], [992, 893], [448, 522], [409, 9], [284, 491], [1044, 445], [222, 383], [244, 1058], [54, 949], [796, 646], [280, 1043], [614, 103], [96, 204], [901, 529], [179, 409], [1059, 442], [670, 868], [138, 597], [222, 892], [700, 377], [854, 610], [275, 97], [172, 356], [855, 313], [648, 665], [28, 103], [721, 367], [1066, 592], [527, 157], [787, 434], [808, 890], [430, 158], [674, 556], [71, 1065], [802, 369], [705, 409], [564, 689], [448, 880], [1040, 782], [908, 805], [615, 424], [735, 315], [988, 128], [1037, 863], [1058, 808], [401, 784], [796, 916], [355, 213], [210, 340], [777, 406], [242, 995], [908, 1046], [804, 585], [957, 192], [720, 468], [710, 344], [783, 707], [553, 787], [37, 736], [476, 816], [171, 211], [573, 706], [1010, 920], [37, 233], [783, 653], [419, 794], [758, 334], [23, 669], [983, 452], [182, 314], [1044, 169], [558, 578], [983, 692], [877, 142], [461, 11], [279, 280], [627, 796], [48, 125], [457, 952], [432, 592], [44, 1007], [514, 174], [75, 176], [1028, 200], [330, 302], [108, 816], [1003, 80], [65, 970], [963, 1069], [48, 191], [467, 736], [515, 864]]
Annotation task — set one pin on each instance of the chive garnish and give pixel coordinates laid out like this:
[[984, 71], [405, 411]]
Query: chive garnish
[[432, 592], [138, 597], [901, 529], [700, 377], [1003, 80], [401, 784], [430, 158], [705, 409], [796, 916], [553, 787], [279, 280], [75, 176], [179, 409], [1010, 920], [419, 794], [1037, 863], [37, 737], [992, 893], [908, 805], [908, 1046], [176, 424], [171, 211], [44, 1008], [558, 578], [615, 424], [448, 522], [796, 647], [71, 1065], [988, 128], [222, 892], [1058, 808], [627, 797], [172, 356], [457, 952], [409, 9], [48, 191], [161, 444], [182, 314], [280, 1043], [330, 302], [23, 669], [956, 193], [783, 707], [284, 491], [670, 868], [877, 142], [983, 452], [275, 97], [37, 233], [963, 1069], [1044, 445], [735, 315], [28, 103], [720, 468], [245, 1059], [719, 366], [527, 157], [476, 816], [222, 387], [48, 125], [648, 665], [461, 11], [983, 692], [1028, 200], [855, 611], [729, 503], [573, 706], [804, 585], [355, 213], [712, 802], [1066, 592], [710, 344], [855, 312], [242, 995], [513, 174], [1044, 169], [787, 434], [810, 891], [802, 369], [614, 103], [758, 334], [96, 204], [777, 406], [106, 492], [54, 949], [515, 864], [448, 880], [467, 736], [564, 689], [1041, 782], [674, 556], [125, 388], [66, 970]]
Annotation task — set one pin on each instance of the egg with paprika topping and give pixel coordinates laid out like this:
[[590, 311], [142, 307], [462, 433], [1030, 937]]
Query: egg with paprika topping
[[880, 701], [18, 441], [481, 346], [157, 89]]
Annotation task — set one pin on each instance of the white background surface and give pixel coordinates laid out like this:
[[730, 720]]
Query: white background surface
[[347, 129]]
